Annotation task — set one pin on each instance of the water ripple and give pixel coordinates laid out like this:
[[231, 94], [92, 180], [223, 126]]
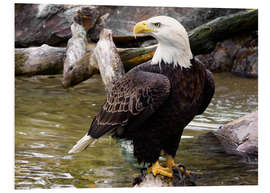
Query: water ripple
[[49, 120]]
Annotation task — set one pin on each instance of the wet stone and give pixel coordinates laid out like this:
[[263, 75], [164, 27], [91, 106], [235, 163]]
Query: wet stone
[[240, 137]]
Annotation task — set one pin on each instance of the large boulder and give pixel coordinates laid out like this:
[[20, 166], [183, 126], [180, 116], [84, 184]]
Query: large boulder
[[121, 19], [238, 54], [240, 136], [37, 24]]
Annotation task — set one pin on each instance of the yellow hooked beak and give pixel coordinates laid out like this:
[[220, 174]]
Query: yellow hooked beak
[[142, 27]]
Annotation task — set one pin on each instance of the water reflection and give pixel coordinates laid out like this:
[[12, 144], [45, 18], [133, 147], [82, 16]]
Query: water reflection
[[50, 119]]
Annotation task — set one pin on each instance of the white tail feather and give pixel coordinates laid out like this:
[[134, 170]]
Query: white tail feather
[[82, 144]]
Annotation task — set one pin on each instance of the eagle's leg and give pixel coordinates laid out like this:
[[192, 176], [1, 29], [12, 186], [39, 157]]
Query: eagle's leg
[[158, 169], [170, 162]]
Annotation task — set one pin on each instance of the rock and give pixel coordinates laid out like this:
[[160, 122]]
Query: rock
[[219, 60], [121, 19], [179, 179], [37, 24], [240, 136], [238, 55], [150, 181], [246, 62]]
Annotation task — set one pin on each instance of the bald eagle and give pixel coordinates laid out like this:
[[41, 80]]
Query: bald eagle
[[153, 103]]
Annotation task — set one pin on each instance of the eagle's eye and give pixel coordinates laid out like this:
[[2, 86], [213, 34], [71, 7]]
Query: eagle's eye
[[157, 24]]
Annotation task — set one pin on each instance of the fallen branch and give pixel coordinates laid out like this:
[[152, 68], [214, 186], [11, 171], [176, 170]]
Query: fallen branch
[[81, 63], [203, 39], [50, 60], [76, 65], [108, 61], [134, 56], [39, 60]]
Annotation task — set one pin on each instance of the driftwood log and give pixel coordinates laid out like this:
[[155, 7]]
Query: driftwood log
[[31, 61], [39, 60], [202, 40], [76, 65], [108, 60]]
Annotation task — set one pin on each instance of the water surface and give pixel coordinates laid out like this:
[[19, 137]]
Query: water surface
[[50, 119]]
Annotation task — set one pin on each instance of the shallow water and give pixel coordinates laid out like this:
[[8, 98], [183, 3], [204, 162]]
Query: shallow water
[[50, 119]]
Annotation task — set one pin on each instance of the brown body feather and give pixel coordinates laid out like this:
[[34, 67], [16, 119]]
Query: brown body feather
[[152, 104]]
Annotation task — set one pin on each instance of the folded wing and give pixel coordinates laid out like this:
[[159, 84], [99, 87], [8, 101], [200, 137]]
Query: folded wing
[[133, 99]]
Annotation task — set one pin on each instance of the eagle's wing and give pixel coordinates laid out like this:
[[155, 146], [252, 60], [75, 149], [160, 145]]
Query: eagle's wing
[[209, 90], [133, 99]]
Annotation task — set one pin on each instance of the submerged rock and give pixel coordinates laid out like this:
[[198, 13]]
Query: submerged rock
[[240, 136]]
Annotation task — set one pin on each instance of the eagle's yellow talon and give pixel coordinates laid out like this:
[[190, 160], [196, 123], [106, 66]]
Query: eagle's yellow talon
[[170, 163], [158, 169]]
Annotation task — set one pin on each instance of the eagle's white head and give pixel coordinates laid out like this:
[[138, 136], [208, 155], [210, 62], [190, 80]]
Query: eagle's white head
[[173, 42]]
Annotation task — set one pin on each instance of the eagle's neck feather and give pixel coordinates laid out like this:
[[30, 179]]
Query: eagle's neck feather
[[170, 54]]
